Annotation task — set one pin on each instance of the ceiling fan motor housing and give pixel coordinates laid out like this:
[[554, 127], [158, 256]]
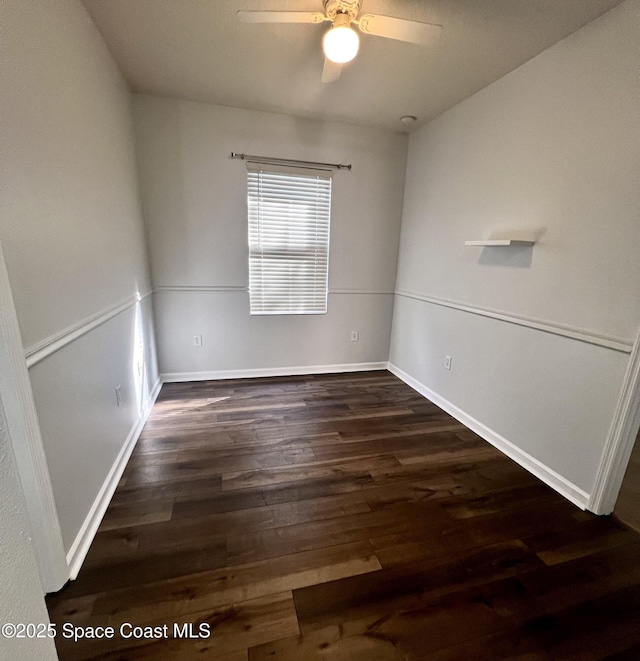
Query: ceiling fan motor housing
[[334, 7]]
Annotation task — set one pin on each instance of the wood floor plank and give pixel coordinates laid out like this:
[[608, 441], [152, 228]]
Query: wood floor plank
[[189, 532], [76, 610], [580, 580], [316, 488], [224, 586], [227, 460], [438, 442], [247, 547], [183, 438], [205, 487], [160, 564], [587, 632], [369, 433], [341, 517], [397, 550], [405, 624], [390, 638], [123, 516], [597, 534], [227, 633], [223, 502], [498, 500], [335, 601], [315, 471], [269, 516]]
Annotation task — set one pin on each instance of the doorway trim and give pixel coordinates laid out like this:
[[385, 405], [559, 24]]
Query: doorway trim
[[620, 440], [26, 441]]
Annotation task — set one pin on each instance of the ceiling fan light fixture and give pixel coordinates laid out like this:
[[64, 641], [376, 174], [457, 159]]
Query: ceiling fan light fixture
[[341, 42]]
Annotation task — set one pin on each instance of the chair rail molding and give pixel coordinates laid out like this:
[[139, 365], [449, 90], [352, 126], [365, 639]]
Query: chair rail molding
[[591, 337], [49, 345], [26, 440]]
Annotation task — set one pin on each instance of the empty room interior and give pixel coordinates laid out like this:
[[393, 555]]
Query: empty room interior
[[320, 330]]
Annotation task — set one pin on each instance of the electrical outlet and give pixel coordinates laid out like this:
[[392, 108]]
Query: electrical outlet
[[447, 362], [197, 340], [118, 396], [355, 336]]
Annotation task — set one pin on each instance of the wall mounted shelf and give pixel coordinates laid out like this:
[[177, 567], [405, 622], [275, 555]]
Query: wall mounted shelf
[[501, 242]]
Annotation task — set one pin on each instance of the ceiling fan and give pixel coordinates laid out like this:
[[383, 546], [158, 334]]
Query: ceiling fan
[[341, 42]]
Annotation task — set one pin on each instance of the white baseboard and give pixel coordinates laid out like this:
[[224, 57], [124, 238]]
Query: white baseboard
[[175, 377], [556, 481], [82, 542]]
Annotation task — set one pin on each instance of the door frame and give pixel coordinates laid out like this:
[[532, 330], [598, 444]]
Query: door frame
[[620, 440], [26, 441]]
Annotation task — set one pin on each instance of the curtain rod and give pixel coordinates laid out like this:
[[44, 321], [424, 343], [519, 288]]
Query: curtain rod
[[292, 163]]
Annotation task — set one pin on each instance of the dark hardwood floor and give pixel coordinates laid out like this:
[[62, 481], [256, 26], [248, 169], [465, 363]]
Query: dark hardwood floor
[[344, 517]]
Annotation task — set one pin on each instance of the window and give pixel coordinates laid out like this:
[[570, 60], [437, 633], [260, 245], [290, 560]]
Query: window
[[289, 213]]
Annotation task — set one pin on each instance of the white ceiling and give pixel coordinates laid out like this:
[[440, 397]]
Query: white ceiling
[[198, 50]]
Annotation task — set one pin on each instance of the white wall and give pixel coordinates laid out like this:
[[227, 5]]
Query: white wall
[[74, 244], [195, 207], [553, 148], [22, 599]]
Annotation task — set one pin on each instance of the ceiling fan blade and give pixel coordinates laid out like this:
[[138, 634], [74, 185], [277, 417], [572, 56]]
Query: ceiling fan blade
[[397, 28], [331, 71], [280, 16]]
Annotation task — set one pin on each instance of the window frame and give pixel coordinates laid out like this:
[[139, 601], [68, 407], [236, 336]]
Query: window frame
[[276, 179]]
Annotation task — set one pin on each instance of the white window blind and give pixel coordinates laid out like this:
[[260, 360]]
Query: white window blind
[[289, 214]]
